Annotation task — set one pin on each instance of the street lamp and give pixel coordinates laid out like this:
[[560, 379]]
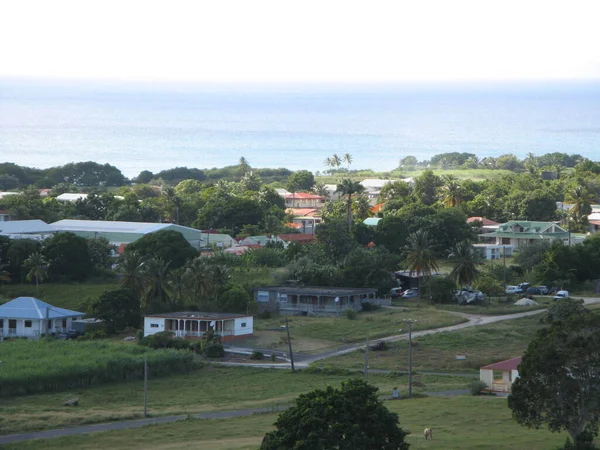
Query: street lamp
[[409, 322]]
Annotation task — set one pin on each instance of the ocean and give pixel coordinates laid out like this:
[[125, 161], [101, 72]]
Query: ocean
[[139, 127]]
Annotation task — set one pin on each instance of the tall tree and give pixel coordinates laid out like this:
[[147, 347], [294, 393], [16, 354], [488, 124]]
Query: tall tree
[[130, 268], [582, 199], [420, 254], [347, 158], [559, 380], [426, 186], [451, 191], [348, 188], [465, 260], [37, 267], [156, 284]]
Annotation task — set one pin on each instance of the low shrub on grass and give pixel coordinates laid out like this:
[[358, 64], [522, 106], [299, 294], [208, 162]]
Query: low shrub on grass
[[368, 306], [351, 314], [477, 386], [214, 351], [257, 355]]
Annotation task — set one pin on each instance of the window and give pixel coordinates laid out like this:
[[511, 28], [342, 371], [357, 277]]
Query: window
[[243, 324], [283, 298], [1, 324], [153, 325], [262, 296], [28, 324], [64, 323]]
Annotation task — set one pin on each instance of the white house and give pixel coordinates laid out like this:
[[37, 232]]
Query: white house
[[500, 376], [30, 317], [194, 325]]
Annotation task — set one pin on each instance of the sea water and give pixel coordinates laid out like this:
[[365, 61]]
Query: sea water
[[153, 127]]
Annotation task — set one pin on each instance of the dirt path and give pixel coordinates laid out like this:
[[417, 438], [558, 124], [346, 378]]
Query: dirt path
[[303, 360]]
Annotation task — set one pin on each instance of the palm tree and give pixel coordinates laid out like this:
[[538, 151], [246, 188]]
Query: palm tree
[[361, 207], [198, 277], [465, 260], [244, 165], [130, 267], [177, 286], [173, 203], [347, 158], [348, 188], [419, 254], [336, 160], [582, 199], [451, 192], [156, 286], [37, 266]]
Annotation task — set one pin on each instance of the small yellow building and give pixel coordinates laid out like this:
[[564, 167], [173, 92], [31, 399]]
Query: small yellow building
[[500, 376]]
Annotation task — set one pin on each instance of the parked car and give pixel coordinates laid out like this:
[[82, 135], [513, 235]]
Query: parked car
[[479, 296], [561, 295], [411, 293], [512, 290], [524, 286], [543, 290], [534, 291], [396, 292]]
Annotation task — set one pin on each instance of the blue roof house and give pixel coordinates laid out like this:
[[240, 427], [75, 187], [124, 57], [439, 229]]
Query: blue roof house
[[30, 317]]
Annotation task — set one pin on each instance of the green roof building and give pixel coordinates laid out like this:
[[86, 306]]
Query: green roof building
[[519, 233]]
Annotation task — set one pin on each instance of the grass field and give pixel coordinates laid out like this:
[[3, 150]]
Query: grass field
[[437, 352], [313, 334], [462, 174], [210, 388], [459, 423], [64, 295]]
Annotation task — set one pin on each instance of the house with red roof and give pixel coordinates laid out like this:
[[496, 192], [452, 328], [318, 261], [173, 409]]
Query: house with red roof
[[500, 376]]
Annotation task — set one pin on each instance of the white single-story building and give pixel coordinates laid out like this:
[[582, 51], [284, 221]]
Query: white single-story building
[[30, 317], [194, 325], [26, 229], [500, 376]]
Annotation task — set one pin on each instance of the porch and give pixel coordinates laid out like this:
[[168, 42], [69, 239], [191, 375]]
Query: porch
[[194, 328]]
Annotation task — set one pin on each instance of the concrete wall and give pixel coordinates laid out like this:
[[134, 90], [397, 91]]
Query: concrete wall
[[149, 329], [239, 330]]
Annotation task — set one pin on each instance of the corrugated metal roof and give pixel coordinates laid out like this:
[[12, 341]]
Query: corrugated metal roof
[[372, 221], [509, 364], [33, 308], [25, 227]]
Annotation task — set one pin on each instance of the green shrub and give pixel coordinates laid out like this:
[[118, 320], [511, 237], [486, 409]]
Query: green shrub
[[327, 370], [273, 357], [351, 314], [368, 306], [257, 355], [44, 366], [477, 386], [265, 315], [214, 351]]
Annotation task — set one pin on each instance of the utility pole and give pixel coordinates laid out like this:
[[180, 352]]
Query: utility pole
[[287, 327], [409, 322], [367, 360], [145, 386]]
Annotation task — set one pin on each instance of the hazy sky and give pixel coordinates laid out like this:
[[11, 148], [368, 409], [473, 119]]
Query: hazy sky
[[301, 41]]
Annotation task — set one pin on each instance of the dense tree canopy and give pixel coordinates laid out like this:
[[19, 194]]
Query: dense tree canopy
[[168, 245], [559, 379], [349, 418]]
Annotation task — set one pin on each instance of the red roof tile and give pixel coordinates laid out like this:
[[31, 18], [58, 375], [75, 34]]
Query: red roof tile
[[483, 221], [302, 211], [375, 209], [509, 364]]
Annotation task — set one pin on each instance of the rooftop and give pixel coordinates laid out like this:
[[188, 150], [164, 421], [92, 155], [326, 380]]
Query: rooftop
[[107, 226], [483, 220], [303, 196], [317, 290], [35, 226], [199, 315], [509, 364], [33, 308]]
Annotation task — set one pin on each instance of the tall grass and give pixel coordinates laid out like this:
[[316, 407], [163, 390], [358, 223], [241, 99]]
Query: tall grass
[[41, 366]]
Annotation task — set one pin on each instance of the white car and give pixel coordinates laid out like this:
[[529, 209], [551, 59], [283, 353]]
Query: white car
[[561, 295], [512, 290]]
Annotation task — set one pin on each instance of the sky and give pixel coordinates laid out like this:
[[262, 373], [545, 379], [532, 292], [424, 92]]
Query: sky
[[279, 41]]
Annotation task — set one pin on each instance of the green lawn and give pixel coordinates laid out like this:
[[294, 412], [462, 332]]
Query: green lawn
[[210, 388], [459, 423], [64, 295], [313, 334], [437, 352]]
